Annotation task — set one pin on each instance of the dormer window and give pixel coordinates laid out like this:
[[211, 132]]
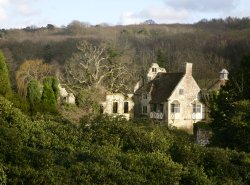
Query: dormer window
[[224, 74]]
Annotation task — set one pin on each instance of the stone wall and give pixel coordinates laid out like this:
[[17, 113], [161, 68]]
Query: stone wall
[[120, 99], [185, 118]]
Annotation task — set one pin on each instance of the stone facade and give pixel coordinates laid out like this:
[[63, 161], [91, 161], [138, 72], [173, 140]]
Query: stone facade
[[172, 98], [65, 96], [186, 93], [154, 70], [117, 104]]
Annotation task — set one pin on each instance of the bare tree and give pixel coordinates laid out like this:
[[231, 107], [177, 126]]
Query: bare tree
[[90, 68], [31, 70]]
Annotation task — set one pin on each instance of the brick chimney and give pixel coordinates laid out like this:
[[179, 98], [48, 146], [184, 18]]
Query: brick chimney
[[188, 71]]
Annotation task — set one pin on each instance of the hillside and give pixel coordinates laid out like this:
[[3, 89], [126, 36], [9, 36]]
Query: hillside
[[209, 45], [45, 140]]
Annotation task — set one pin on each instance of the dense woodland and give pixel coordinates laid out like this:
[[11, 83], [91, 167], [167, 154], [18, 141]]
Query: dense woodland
[[46, 141]]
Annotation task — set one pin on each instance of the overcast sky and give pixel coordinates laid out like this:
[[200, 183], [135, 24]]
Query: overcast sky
[[22, 13]]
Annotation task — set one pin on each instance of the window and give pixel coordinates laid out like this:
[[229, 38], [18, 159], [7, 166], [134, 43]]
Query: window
[[153, 107], [154, 69], [144, 96], [115, 107], [125, 107], [161, 107], [175, 107], [181, 91], [144, 109], [196, 108]]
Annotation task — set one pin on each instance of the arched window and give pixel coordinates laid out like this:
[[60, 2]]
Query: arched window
[[175, 107], [196, 107]]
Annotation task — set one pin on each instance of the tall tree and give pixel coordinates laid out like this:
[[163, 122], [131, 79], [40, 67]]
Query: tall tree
[[5, 86], [90, 67], [49, 95], [34, 95], [230, 111], [31, 70]]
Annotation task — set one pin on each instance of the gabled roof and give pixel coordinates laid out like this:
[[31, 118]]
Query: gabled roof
[[161, 87]]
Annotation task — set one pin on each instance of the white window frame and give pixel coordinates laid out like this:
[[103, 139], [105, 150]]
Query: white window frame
[[197, 108], [175, 107]]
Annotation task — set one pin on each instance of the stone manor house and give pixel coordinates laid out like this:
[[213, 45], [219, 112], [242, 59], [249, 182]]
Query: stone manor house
[[173, 98]]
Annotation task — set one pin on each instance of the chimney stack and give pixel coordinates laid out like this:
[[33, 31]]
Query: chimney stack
[[188, 69]]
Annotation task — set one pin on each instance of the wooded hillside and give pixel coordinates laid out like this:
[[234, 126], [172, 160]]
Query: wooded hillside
[[45, 141], [209, 45]]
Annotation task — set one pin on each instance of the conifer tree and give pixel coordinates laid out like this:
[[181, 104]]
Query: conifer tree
[[230, 111], [49, 95], [5, 86], [34, 95]]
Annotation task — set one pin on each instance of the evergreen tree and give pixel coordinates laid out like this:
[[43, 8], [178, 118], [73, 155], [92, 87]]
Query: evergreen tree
[[49, 95], [34, 95], [230, 111], [5, 86]]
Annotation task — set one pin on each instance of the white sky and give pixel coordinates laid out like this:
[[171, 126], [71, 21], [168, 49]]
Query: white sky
[[22, 13]]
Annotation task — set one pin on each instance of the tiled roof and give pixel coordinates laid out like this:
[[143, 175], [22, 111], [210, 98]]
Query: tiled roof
[[162, 86]]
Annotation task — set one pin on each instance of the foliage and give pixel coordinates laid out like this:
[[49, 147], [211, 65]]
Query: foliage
[[3, 177], [34, 95], [230, 112], [105, 150], [89, 99], [19, 102], [31, 70], [49, 95], [4, 76], [201, 125]]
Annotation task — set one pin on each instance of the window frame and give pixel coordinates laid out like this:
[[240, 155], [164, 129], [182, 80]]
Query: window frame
[[181, 91], [115, 107], [144, 109], [125, 107], [197, 108], [153, 107], [154, 69], [175, 107]]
